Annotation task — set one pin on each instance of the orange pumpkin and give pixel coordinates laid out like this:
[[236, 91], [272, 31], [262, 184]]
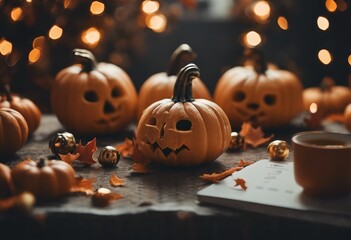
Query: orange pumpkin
[[45, 178], [183, 131], [347, 115], [328, 97], [26, 107], [6, 186], [13, 131], [266, 97], [93, 98], [160, 85]]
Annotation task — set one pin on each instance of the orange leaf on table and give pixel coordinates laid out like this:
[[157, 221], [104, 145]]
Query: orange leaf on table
[[240, 182], [216, 177], [253, 136], [140, 168], [103, 199], [69, 157], [86, 152], [84, 185], [116, 181], [126, 148], [138, 156], [243, 163]]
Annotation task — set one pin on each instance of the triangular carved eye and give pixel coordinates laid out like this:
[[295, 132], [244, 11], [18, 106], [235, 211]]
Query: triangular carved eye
[[184, 125], [152, 121], [91, 96]]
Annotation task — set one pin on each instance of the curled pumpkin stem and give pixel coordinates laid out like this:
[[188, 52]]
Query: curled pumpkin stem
[[86, 58], [183, 86], [182, 56]]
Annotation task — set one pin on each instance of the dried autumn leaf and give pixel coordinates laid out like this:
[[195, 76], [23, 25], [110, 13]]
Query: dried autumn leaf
[[138, 156], [126, 148], [86, 152], [240, 182], [216, 177], [69, 158], [83, 185], [116, 181], [104, 197], [243, 163], [253, 136], [140, 168]]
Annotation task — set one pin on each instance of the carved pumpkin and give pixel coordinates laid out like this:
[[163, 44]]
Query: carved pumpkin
[[24, 106], [183, 131], [347, 115], [13, 131], [160, 85], [6, 186], [266, 97], [45, 178], [93, 98], [328, 97]]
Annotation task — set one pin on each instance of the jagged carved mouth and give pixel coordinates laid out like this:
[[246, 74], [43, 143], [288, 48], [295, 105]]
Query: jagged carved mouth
[[166, 151]]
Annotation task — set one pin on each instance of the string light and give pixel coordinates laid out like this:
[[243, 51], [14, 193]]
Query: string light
[[283, 23], [156, 22], [16, 14], [349, 59], [252, 39], [313, 108], [34, 55], [331, 5], [55, 32], [5, 47], [91, 36], [324, 56], [323, 23], [262, 10], [97, 7], [150, 7]]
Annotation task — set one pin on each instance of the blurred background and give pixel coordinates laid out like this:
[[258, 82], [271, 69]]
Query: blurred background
[[310, 38]]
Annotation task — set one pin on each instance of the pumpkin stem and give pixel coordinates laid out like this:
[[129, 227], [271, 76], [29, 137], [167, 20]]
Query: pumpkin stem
[[86, 58], [41, 162], [183, 86], [7, 91], [327, 84], [258, 60], [182, 56]]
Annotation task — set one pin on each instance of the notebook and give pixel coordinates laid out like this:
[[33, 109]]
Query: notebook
[[271, 187]]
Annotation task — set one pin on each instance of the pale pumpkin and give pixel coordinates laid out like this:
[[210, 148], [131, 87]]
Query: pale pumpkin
[[6, 186], [25, 106], [13, 131], [160, 85], [93, 98], [183, 131], [347, 115], [329, 97], [266, 97], [44, 178]]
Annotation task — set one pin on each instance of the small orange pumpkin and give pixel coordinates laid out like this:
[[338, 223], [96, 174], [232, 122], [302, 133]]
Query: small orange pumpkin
[[93, 98], [160, 85], [347, 115], [45, 178], [6, 186], [183, 131], [328, 97], [13, 131], [26, 107], [266, 97]]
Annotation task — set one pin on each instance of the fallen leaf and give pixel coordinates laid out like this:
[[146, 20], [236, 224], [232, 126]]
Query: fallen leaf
[[140, 168], [126, 148], [243, 163], [103, 197], [138, 156], [86, 152], [253, 136], [83, 185], [116, 181], [240, 182], [69, 158], [216, 177]]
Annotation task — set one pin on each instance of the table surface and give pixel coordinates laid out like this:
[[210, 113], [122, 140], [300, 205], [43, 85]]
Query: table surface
[[160, 204]]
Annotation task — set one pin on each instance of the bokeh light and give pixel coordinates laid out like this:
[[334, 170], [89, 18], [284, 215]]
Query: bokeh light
[[324, 56]]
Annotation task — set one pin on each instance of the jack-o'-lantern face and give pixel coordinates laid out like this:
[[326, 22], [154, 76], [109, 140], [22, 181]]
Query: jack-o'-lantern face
[[95, 101], [182, 131]]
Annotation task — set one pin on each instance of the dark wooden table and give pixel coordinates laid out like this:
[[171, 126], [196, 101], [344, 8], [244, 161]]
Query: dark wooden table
[[161, 204]]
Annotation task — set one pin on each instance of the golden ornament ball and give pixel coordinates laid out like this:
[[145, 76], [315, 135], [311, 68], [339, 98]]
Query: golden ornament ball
[[62, 143], [278, 150], [109, 156], [237, 142]]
